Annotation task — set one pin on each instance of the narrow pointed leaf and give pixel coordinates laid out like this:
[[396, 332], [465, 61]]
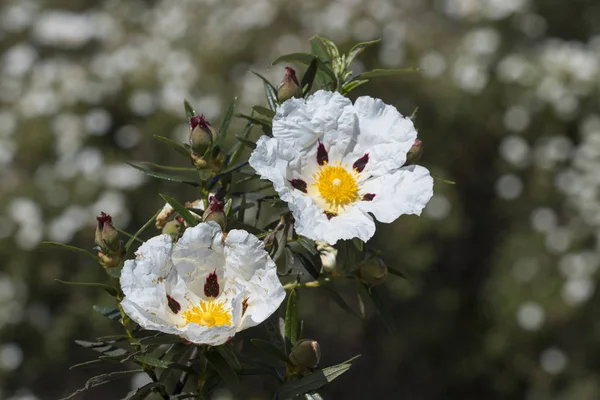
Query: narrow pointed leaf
[[189, 110], [101, 380], [226, 122], [225, 371], [359, 48], [291, 318], [381, 305], [142, 229], [71, 248], [311, 382], [108, 312], [339, 300], [143, 392], [178, 147], [330, 47], [353, 84], [264, 111], [181, 210], [376, 73], [111, 290], [270, 91], [309, 76], [256, 120], [168, 167], [157, 363], [160, 175], [306, 58], [271, 348], [213, 181]]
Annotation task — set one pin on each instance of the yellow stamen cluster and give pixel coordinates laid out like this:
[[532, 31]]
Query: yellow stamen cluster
[[336, 185], [208, 313]]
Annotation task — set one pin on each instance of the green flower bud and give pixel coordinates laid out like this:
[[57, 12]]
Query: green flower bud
[[215, 212], [414, 154], [202, 134], [289, 86], [306, 354], [107, 237], [172, 228], [373, 271]]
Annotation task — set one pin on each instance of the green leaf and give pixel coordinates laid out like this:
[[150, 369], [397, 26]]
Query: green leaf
[[111, 313], [105, 348], [189, 110], [270, 91], [160, 339], [229, 356], [213, 181], [313, 396], [157, 363], [376, 73], [352, 84], [330, 47], [397, 272], [291, 318], [224, 369], [168, 167], [339, 300], [143, 392], [443, 180], [142, 229], [179, 148], [381, 305], [270, 348], [311, 382], [256, 120], [359, 244], [111, 290], [359, 48], [71, 248], [86, 363], [226, 122], [160, 175], [309, 76], [101, 380], [264, 111], [181, 210]]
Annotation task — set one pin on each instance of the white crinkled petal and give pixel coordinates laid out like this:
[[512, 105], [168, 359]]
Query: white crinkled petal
[[247, 258], [269, 162], [384, 133], [405, 191]]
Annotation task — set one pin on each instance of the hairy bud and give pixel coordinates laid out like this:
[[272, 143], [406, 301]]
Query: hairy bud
[[305, 354], [107, 237], [202, 134], [289, 86]]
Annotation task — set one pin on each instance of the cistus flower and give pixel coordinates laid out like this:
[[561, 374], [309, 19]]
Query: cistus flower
[[205, 288], [289, 86], [336, 163]]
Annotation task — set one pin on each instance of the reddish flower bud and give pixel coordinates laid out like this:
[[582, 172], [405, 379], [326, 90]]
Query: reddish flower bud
[[415, 152], [289, 86]]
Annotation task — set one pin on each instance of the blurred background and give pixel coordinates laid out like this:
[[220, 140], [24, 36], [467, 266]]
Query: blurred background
[[502, 301]]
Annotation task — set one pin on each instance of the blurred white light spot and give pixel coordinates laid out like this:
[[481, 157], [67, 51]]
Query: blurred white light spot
[[128, 136], [365, 29], [142, 103], [509, 187], [391, 57], [18, 60], [530, 316], [8, 123], [543, 219], [123, 177], [433, 64], [470, 76], [578, 291], [11, 356], [516, 119], [515, 150], [438, 207], [558, 240], [578, 265], [553, 360], [98, 121], [482, 41]]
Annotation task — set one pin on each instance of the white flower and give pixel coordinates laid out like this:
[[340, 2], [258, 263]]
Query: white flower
[[334, 163], [205, 287]]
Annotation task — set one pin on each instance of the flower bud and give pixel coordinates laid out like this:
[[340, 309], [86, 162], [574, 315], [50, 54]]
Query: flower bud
[[328, 255], [414, 154], [305, 354], [373, 271], [215, 212], [202, 134], [107, 237], [289, 86], [163, 215]]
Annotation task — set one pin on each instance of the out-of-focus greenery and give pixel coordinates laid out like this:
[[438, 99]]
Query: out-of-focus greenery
[[502, 298]]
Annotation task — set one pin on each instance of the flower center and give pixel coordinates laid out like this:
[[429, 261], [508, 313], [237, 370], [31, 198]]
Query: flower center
[[208, 313], [336, 185]]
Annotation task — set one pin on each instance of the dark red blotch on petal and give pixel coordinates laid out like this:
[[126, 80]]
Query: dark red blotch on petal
[[244, 305], [368, 196], [329, 215], [211, 286], [361, 163], [173, 304], [298, 184], [322, 156]]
